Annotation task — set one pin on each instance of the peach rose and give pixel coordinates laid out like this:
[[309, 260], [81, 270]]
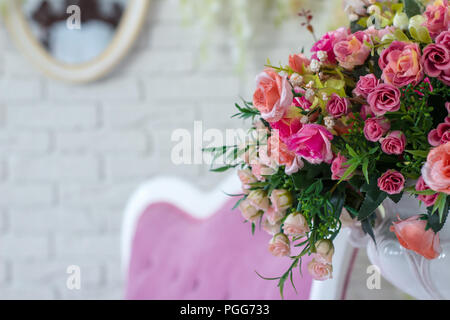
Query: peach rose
[[247, 178], [281, 200], [296, 225], [319, 270], [279, 245], [274, 216], [271, 228], [259, 199], [324, 251], [273, 95], [412, 235], [298, 63], [436, 171]]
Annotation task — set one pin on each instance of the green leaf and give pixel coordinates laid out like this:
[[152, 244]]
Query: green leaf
[[396, 197], [367, 228], [419, 153], [435, 222], [223, 169], [370, 204], [365, 169], [350, 170], [412, 8]]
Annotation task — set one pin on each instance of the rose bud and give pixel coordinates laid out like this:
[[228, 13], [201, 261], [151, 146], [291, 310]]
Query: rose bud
[[320, 271], [394, 143], [428, 200], [376, 128], [281, 200], [274, 216], [247, 178], [296, 225], [337, 106], [391, 182], [436, 171], [271, 228], [324, 251], [412, 235], [259, 199], [249, 212], [279, 245]]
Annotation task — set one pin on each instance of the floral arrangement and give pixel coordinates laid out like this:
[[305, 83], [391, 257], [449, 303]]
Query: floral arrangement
[[363, 120]]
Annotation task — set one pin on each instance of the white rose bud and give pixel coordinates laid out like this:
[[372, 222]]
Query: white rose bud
[[281, 200], [249, 212], [324, 251], [401, 21], [296, 225], [259, 199], [416, 21]]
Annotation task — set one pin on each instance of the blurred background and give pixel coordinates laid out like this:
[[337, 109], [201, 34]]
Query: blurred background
[[72, 155]]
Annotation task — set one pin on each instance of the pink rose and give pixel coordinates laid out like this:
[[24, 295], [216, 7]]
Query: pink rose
[[327, 42], [394, 143], [366, 112], [385, 98], [366, 85], [270, 228], [303, 103], [338, 168], [391, 182], [437, 17], [436, 171], [439, 136], [281, 200], [401, 65], [313, 143], [289, 124], [296, 225], [324, 251], [352, 51], [412, 235], [279, 245], [273, 95], [429, 200], [249, 212], [320, 271], [274, 216], [436, 62], [444, 39], [337, 106], [298, 63], [376, 128], [373, 32]]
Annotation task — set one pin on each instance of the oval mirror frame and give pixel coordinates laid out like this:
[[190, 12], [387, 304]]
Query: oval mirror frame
[[126, 34]]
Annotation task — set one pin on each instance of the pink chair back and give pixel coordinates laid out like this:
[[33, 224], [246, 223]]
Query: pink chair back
[[175, 256]]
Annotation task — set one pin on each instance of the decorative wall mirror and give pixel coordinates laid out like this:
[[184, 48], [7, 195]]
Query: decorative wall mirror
[[75, 40]]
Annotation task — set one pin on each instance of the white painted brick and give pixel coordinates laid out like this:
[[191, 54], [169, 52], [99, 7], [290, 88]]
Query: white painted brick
[[192, 87], [109, 89], [54, 273], [132, 167], [161, 61], [13, 142], [23, 89], [100, 195], [24, 247], [40, 221], [55, 168], [4, 222], [4, 274], [27, 293], [52, 115], [24, 195], [71, 246], [16, 65]]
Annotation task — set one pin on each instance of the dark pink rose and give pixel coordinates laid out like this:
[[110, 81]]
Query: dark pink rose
[[437, 17], [422, 186], [439, 136], [393, 143], [338, 167], [302, 102], [391, 182], [337, 106], [327, 42], [401, 65], [385, 98], [352, 51], [436, 62], [444, 39], [366, 85], [366, 112], [376, 128], [313, 143]]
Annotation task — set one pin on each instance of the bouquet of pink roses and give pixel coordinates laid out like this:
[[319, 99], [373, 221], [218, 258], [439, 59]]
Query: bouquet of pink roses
[[337, 134]]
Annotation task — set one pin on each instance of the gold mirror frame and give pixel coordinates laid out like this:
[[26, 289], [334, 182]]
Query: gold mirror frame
[[126, 34]]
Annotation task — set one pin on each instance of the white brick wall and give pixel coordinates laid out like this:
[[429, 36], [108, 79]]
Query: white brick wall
[[70, 156]]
